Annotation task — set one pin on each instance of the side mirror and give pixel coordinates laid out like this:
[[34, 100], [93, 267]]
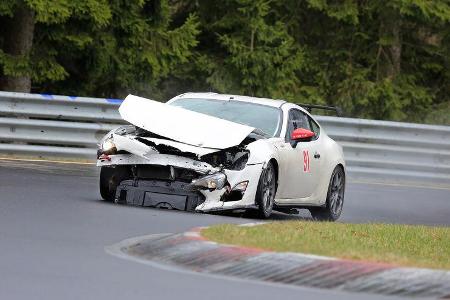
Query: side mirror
[[302, 134]]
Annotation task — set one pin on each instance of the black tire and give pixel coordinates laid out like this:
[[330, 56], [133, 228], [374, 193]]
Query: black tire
[[110, 178], [265, 193], [335, 198]]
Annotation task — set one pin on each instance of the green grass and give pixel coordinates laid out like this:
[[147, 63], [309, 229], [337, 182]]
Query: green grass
[[404, 245]]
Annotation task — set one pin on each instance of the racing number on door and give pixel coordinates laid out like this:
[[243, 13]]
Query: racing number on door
[[306, 161]]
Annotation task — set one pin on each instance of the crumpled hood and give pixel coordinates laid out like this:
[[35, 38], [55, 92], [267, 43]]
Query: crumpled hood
[[182, 125]]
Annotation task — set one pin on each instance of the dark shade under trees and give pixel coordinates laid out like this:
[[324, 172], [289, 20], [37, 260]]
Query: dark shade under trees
[[376, 59]]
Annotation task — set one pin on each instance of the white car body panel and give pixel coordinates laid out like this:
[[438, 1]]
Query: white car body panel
[[250, 173], [290, 191], [182, 125], [128, 143], [201, 134], [158, 159]]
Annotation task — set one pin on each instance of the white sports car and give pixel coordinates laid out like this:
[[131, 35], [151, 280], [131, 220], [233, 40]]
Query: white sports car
[[211, 152]]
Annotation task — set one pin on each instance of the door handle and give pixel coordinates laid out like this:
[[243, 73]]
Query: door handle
[[316, 155]]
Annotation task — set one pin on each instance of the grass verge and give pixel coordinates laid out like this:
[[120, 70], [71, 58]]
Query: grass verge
[[404, 245]]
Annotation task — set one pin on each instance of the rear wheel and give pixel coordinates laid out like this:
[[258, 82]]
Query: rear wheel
[[335, 198], [265, 193], [110, 178]]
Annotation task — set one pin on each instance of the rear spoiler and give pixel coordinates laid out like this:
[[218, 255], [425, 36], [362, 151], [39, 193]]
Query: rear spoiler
[[336, 109]]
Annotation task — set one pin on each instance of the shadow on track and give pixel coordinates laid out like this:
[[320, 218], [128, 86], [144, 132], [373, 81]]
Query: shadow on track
[[250, 215]]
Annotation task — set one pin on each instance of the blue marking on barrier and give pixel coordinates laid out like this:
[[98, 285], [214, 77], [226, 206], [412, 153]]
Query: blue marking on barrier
[[72, 97], [47, 96], [114, 101]]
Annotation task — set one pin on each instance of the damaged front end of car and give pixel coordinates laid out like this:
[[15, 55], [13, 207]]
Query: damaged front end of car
[[167, 174], [173, 158]]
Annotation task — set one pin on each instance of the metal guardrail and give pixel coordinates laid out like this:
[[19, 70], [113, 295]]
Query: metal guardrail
[[64, 126], [54, 126], [393, 151]]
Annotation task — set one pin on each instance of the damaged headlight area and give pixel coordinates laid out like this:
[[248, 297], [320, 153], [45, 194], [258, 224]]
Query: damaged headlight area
[[234, 158], [210, 182], [107, 147]]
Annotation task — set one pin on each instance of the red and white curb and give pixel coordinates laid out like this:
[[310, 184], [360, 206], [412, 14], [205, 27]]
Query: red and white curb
[[191, 251]]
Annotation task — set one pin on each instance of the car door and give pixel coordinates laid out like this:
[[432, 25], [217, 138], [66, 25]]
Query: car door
[[300, 161]]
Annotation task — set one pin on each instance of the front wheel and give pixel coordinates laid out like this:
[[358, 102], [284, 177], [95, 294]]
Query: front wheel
[[110, 178], [265, 193], [335, 198]]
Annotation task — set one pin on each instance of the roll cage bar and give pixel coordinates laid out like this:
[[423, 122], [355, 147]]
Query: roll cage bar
[[310, 107]]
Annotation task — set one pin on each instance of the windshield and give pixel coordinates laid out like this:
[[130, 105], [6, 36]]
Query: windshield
[[262, 117]]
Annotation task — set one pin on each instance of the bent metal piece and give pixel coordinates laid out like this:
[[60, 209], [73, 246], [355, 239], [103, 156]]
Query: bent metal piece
[[182, 125], [158, 159]]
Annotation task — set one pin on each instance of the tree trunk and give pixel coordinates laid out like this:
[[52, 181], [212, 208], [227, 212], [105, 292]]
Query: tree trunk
[[18, 41], [252, 40], [391, 44]]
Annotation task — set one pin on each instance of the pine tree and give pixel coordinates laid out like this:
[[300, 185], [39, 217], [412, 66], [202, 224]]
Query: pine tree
[[376, 59], [253, 52], [31, 35], [93, 48], [137, 50]]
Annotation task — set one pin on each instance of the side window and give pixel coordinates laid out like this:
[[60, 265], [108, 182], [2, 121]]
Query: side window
[[314, 128], [297, 119]]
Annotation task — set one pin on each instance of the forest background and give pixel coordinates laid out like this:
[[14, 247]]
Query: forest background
[[376, 59]]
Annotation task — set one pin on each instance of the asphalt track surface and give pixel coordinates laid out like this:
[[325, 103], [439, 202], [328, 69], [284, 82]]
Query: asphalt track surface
[[54, 227]]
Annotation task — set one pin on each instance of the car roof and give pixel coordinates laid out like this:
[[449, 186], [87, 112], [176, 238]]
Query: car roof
[[226, 97]]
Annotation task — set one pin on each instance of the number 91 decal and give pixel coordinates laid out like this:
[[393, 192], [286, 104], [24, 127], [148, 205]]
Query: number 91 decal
[[306, 166]]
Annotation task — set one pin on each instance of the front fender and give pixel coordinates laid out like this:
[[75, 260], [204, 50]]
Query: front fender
[[261, 151]]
